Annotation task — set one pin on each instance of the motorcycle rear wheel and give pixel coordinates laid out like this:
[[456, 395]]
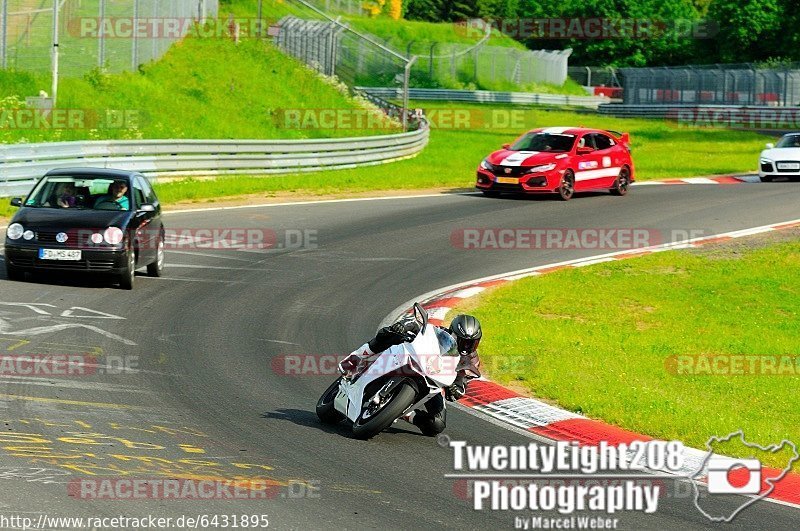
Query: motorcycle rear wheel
[[374, 420]]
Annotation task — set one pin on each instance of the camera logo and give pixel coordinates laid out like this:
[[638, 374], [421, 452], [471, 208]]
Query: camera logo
[[734, 476], [740, 476]]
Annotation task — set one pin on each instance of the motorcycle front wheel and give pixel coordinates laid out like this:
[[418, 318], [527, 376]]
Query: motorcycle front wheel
[[376, 417], [325, 411]]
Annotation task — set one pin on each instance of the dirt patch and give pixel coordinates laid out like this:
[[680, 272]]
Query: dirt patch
[[736, 248], [291, 197]]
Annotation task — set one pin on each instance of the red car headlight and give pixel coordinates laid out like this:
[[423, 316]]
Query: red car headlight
[[542, 168]]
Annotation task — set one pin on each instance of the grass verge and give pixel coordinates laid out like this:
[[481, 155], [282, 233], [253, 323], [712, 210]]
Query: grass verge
[[602, 340], [234, 92], [450, 159]]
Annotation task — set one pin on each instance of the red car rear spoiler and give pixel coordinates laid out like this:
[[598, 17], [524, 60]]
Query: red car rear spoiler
[[625, 138]]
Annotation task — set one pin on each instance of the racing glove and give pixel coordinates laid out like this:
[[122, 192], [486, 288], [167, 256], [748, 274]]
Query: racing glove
[[403, 331], [456, 391]]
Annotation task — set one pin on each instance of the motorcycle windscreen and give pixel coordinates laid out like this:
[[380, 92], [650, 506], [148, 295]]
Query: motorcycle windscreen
[[428, 357]]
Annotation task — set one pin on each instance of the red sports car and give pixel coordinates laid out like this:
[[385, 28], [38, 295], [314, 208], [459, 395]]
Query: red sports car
[[561, 160]]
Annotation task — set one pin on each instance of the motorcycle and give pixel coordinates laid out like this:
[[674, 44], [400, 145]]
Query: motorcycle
[[399, 380]]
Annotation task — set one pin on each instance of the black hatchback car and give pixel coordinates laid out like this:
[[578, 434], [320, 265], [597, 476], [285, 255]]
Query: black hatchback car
[[87, 220]]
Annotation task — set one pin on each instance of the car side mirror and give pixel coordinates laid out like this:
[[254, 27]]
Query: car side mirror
[[147, 207], [770, 145], [506, 146], [17, 202], [584, 150]]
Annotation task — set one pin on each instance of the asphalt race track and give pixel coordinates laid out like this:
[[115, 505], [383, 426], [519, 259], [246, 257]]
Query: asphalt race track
[[209, 400]]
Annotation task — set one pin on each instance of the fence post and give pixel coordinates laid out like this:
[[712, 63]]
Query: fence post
[[430, 66], [54, 87], [406, 76], [4, 35], [260, 23], [101, 40], [475, 67], [134, 40]]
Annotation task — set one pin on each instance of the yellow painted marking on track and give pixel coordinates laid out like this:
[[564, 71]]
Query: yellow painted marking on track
[[189, 449], [20, 343], [16, 342], [67, 402], [91, 350]]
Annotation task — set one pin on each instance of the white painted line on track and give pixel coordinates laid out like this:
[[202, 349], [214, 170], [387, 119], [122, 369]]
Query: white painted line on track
[[63, 381], [316, 202], [194, 266], [197, 280], [209, 255]]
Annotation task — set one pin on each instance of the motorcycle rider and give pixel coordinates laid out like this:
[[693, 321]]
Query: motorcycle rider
[[465, 329]]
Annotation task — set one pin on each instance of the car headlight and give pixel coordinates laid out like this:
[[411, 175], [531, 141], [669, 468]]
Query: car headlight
[[543, 167], [15, 231], [486, 165], [765, 161], [113, 235]]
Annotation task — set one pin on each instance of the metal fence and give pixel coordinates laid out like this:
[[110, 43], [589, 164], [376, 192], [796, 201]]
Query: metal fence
[[742, 84], [116, 34], [486, 96], [595, 76], [462, 65], [359, 58], [345, 7], [22, 164]]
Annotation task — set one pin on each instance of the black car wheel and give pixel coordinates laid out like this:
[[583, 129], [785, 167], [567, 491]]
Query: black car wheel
[[128, 274], [156, 269], [621, 184], [567, 187]]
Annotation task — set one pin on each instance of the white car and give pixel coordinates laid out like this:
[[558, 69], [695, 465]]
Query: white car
[[781, 160]]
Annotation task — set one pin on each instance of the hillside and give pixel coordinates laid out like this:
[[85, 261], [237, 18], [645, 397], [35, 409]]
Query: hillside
[[202, 88]]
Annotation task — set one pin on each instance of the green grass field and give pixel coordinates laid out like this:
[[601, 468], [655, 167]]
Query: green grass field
[[455, 153], [598, 340], [234, 92]]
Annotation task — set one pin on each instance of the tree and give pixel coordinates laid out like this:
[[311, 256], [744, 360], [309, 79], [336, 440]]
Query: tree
[[423, 10], [748, 30]]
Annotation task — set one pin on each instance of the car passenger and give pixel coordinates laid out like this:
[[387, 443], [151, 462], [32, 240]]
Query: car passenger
[[67, 197]]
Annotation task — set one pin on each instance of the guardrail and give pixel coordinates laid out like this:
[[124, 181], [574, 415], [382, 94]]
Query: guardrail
[[487, 96], [750, 117], [22, 164]]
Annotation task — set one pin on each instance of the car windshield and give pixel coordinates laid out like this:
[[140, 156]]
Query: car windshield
[[789, 141], [80, 192], [544, 142]]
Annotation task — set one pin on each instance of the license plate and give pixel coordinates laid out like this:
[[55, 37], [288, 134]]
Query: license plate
[[59, 254], [789, 165], [508, 180]]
